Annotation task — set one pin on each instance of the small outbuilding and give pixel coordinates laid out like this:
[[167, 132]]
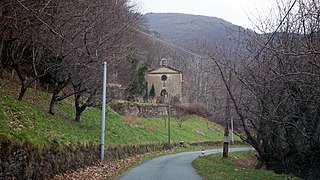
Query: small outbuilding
[[163, 80]]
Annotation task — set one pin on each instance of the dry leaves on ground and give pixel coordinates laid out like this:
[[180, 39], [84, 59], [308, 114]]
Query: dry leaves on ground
[[99, 170]]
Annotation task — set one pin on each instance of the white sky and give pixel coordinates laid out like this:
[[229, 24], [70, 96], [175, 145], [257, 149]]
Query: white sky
[[238, 12]]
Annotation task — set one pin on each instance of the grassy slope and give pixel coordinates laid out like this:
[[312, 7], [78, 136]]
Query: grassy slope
[[239, 165], [29, 120]]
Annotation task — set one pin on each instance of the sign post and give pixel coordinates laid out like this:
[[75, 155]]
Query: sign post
[[169, 115]]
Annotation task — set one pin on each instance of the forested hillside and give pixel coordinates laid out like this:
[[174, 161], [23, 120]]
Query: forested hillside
[[181, 28]]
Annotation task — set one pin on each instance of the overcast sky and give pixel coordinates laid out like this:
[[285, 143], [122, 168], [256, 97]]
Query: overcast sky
[[239, 12]]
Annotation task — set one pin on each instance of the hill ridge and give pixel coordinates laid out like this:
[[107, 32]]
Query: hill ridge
[[179, 28]]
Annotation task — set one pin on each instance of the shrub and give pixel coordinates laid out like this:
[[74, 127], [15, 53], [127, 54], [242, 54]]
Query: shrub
[[195, 108]]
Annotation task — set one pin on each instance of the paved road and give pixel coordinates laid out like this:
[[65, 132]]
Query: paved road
[[174, 166]]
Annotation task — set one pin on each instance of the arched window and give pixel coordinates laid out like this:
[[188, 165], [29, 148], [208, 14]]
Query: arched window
[[163, 92]]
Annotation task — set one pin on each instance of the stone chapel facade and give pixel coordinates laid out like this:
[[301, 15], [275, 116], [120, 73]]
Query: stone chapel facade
[[165, 79]]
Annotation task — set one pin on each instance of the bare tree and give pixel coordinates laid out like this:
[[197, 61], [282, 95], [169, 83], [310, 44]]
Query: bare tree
[[100, 43], [23, 41], [51, 39], [278, 80]]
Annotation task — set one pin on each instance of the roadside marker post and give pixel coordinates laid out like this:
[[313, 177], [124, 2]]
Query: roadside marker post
[[202, 152]]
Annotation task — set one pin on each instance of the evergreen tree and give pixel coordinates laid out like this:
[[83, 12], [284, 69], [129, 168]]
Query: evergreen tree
[[152, 91], [138, 85]]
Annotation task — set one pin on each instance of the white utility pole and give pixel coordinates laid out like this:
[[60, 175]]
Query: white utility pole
[[103, 110]]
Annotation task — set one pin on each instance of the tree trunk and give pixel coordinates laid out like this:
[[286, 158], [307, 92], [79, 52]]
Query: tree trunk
[[227, 119], [225, 149], [23, 91], [226, 129], [55, 95], [25, 85], [259, 163], [79, 111], [78, 114], [77, 102], [1, 69], [53, 104]]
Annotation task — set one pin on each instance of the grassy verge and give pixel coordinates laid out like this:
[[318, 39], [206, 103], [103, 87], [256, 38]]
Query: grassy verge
[[239, 165], [28, 120]]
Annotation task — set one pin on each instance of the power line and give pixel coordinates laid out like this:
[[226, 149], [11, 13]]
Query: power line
[[274, 33]]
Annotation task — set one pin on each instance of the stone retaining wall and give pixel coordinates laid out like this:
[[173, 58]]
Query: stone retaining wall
[[137, 109], [26, 162]]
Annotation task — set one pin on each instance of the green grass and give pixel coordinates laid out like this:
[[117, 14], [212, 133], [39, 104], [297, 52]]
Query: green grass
[[239, 165], [28, 120], [195, 129]]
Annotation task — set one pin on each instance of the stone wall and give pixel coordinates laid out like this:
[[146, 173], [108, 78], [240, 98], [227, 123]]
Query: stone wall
[[22, 161], [136, 109]]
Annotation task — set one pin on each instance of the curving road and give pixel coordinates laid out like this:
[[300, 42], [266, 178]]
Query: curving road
[[174, 166]]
